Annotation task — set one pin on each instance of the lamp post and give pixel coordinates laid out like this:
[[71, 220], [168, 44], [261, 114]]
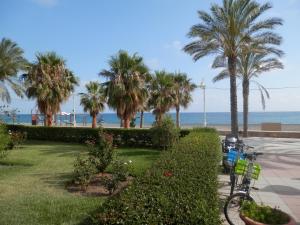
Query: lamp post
[[203, 86]]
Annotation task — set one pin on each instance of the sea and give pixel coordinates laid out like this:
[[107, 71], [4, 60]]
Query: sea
[[186, 118]]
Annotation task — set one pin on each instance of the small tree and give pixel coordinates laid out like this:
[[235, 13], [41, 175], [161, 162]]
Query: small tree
[[164, 134]]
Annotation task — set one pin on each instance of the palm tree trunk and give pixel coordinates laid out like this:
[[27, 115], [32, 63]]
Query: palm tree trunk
[[49, 119], [126, 122], [233, 95], [94, 122], [159, 118], [142, 119], [245, 106], [177, 117], [121, 122]]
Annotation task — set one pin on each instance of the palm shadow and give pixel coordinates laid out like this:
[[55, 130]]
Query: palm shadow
[[281, 190]]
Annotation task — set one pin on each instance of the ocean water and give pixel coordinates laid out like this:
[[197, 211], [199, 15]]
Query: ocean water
[[194, 119]]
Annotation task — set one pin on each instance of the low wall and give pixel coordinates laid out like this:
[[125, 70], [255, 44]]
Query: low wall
[[273, 134]]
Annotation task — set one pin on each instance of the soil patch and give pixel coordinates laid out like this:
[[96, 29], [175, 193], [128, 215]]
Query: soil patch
[[96, 186]]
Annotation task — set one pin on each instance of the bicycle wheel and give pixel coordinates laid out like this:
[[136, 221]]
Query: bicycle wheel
[[232, 208]]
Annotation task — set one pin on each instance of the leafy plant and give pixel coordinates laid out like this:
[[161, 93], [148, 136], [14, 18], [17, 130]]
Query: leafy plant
[[263, 214], [84, 169], [111, 184], [164, 134]]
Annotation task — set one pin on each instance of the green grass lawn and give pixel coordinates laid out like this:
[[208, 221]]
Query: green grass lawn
[[32, 183]]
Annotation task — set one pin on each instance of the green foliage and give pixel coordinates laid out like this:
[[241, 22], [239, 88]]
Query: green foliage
[[164, 134], [264, 214], [121, 137], [180, 188], [50, 83], [11, 62], [84, 170], [101, 154], [4, 141], [125, 88]]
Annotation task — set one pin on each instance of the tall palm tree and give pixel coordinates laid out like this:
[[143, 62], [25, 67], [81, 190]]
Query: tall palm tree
[[11, 62], [125, 88], [249, 66], [93, 101], [145, 106], [182, 89], [50, 83], [162, 95], [226, 31]]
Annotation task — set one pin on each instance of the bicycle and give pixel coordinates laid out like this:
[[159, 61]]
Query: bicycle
[[233, 155], [249, 170]]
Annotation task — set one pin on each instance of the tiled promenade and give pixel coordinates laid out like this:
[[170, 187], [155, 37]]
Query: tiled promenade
[[279, 183]]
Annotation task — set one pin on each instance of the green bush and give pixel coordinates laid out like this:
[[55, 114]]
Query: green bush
[[83, 171], [264, 214], [180, 188], [4, 141], [164, 135], [101, 154], [121, 137]]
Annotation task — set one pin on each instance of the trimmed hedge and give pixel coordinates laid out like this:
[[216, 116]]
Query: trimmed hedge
[[122, 137], [180, 188]]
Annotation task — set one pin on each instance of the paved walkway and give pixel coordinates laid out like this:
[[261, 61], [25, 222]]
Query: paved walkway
[[279, 182]]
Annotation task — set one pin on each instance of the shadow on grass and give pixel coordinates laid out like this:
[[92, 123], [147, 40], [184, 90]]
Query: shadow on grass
[[58, 180], [63, 150], [15, 164]]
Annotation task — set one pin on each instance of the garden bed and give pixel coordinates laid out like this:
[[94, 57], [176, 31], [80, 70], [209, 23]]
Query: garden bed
[[97, 187]]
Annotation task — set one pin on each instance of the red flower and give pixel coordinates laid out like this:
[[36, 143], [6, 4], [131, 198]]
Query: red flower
[[168, 173]]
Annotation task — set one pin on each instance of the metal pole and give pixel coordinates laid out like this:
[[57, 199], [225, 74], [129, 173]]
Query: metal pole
[[204, 110], [202, 86], [74, 116]]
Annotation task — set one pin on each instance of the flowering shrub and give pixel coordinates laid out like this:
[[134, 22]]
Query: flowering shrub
[[120, 171], [101, 154], [180, 188], [16, 139], [83, 172]]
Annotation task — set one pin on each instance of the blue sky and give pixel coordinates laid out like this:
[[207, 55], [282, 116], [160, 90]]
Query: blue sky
[[87, 33]]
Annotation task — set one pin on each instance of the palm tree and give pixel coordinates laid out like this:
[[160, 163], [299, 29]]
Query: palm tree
[[182, 88], [162, 95], [50, 83], [11, 62], [226, 31], [93, 101], [125, 88], [249, 66]]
